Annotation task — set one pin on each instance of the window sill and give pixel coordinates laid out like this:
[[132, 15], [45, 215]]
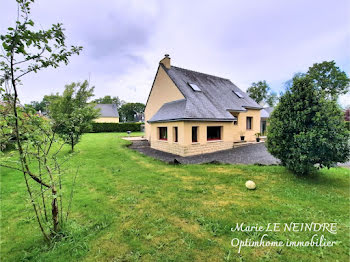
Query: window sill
[[214, 140], [195, 143], [163, 140]]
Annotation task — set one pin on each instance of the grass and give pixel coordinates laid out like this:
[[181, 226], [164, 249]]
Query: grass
[[129, 207]]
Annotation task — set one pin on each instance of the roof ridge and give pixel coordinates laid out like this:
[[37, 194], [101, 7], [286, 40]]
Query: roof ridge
[[181, 68]]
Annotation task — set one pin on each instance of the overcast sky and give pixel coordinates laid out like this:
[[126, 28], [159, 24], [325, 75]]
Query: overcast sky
[[245, 41]]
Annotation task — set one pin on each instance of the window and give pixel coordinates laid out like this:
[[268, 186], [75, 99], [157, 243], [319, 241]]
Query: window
[[249, 122], [239, 94], [194, 134], [213, 133], [175, 134], [163, 133], [194, 87]]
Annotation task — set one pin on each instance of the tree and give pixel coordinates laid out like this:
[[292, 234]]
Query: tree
[[272, 99], [306, 129], [28, 51], [329, 78], [129, 110], [38, 106], [110, 100], [259, 91], [71, 112], [43, 104]]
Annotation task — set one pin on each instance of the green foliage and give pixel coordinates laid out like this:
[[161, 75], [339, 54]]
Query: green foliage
[[128, 111], [109, 100], [71, 113], [6, 130], [272, 99], [38, 106], [329, 78], [115, 127], [43, 104], [259, 91], [306, 129]]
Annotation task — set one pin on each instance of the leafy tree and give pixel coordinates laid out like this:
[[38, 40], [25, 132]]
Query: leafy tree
[[110, 100], [38, 106], [129, 110], [71, 112], [43, 104], [306, 129], [272, 99], [25, 51], [329, 79], [259, 91]]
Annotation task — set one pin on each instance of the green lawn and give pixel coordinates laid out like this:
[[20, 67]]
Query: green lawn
[[129, 207]]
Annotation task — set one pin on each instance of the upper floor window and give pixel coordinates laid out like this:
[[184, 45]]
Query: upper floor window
[[163, 133], [249, 122]]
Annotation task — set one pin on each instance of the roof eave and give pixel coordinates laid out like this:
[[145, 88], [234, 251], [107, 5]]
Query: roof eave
[[253, 107], [194, 119]]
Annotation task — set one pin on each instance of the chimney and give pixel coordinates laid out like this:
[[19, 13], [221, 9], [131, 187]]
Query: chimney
[[166, 61]]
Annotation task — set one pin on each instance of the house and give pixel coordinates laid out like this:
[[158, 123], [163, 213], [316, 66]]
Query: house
[[265, 114], [108, 113], [189, 113]]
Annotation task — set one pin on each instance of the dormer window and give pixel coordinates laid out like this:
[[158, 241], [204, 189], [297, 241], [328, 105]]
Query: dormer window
[[239, 94], [194, 87]]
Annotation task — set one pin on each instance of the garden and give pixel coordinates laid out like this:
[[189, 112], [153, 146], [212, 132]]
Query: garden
[[129, 207]]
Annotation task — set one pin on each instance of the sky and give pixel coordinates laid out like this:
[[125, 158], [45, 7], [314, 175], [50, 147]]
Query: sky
[[245, 41]]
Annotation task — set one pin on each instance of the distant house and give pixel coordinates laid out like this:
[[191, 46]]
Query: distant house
[[108, 113], [189, 113], [265, 114]]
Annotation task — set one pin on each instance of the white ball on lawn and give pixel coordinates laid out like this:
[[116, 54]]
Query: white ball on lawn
[[250, 184]]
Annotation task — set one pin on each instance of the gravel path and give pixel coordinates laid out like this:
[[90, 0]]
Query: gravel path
[[248, 154]]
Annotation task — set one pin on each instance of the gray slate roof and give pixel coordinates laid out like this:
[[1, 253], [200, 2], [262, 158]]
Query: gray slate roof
[[213, 103], [266, 112], [107, 110]]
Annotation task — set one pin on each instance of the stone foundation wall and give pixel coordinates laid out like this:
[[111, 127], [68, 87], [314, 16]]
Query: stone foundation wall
[[193, 149]]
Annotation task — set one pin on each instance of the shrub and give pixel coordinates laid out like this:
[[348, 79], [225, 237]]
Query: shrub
[[307, 130], [115, 127]]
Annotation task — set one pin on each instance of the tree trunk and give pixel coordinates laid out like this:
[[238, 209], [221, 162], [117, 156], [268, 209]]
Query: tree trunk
[[72, 143], [54, 208]]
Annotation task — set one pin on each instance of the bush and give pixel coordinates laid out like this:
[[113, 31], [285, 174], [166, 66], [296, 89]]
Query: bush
[[307, 130], [115, 127]]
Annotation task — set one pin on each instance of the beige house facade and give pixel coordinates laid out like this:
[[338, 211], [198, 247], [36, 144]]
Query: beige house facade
[[108, 113], [190, 113]]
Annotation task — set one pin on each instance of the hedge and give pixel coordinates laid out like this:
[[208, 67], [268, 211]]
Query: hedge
[[115, 127]]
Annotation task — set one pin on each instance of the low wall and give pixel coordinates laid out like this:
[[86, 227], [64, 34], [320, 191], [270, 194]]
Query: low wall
[[193, 149]]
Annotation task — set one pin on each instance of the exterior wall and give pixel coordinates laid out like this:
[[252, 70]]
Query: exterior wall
[[230, 134], [241, 128], [163, 91], [107, 120]]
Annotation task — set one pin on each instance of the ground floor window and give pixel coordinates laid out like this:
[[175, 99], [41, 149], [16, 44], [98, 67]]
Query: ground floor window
[[175, 134], [163, 133], [214, 133], [249, 122], [194, 134]]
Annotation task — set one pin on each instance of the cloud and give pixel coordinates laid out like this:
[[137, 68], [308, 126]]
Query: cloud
[[245, 41]]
